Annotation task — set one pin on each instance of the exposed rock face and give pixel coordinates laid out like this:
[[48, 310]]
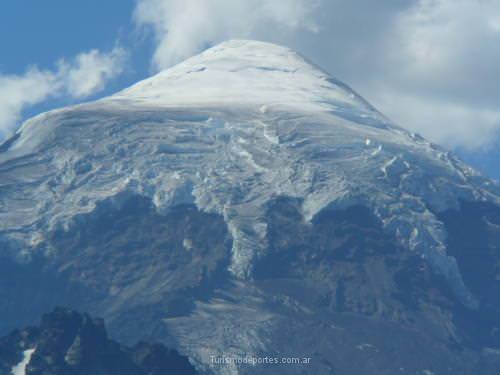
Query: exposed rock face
[[245, 203], [68, 343]]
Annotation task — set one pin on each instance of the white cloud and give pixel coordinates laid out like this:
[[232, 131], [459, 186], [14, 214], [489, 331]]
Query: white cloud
[[442, 59], [184, 27], [444, 122], [91, 70], [18, 92], [449, 46], [85, 75]]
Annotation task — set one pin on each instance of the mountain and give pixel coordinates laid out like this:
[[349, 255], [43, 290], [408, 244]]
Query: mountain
[[67, 342], [245, 204]]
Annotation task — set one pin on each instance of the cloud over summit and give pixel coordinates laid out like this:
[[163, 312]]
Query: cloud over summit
[[184, 27]]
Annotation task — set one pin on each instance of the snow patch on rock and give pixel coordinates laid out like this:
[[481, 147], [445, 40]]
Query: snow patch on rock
[[20, 368]]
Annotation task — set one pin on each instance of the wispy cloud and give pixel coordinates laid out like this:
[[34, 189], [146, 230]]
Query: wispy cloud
[[78, 78], [90, 71], [18, 92]]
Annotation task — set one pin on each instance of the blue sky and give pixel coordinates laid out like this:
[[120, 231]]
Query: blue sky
[[42, 32], [430, 65]]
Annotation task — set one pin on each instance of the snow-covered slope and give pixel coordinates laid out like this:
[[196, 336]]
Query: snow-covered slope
[[230, 130], [246, 73]]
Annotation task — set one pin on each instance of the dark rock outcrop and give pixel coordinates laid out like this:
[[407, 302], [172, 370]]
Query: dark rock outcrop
[[70, 343]]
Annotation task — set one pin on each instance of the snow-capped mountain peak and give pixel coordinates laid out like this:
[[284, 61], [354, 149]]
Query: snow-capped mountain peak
[[231, 130], [245, 72]]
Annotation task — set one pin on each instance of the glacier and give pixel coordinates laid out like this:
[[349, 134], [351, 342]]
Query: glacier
[[230, 130]]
